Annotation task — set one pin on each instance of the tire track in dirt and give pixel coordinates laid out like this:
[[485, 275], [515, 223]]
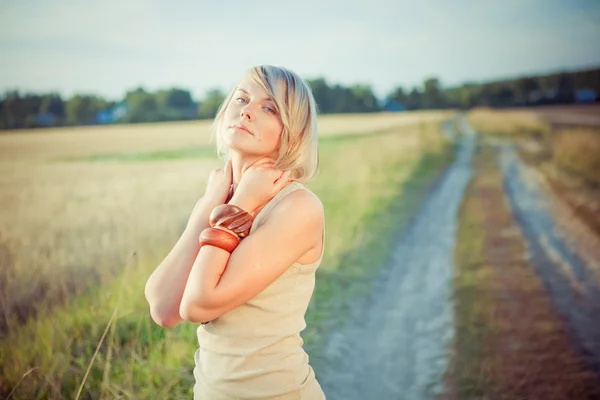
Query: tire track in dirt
[[510, 341], [571, 284]]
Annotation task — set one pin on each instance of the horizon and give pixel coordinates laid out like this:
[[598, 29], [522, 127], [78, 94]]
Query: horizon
[[330, 83]]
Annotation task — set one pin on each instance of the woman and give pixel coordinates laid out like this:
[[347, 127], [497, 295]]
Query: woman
[[244, 268]]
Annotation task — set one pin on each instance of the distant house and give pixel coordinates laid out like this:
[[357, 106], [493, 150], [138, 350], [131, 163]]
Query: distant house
[[535, 96], [111, 115], [45, 119], [585, 96], [550, 93], [393, 105]]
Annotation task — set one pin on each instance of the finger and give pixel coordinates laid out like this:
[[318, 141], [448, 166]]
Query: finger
[[265, 160], [229, 171], [257, 163], [265, 166], [283, 178]]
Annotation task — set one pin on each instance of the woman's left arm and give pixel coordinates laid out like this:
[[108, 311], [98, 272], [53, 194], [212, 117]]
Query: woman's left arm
[[219, 281]]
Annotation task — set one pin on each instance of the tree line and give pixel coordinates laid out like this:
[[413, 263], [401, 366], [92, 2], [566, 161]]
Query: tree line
[[30, 110]]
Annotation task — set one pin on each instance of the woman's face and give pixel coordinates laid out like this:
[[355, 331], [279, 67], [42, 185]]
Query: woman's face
[[250, 108]]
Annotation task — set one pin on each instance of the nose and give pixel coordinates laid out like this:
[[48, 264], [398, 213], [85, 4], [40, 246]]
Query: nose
[[245, 112]]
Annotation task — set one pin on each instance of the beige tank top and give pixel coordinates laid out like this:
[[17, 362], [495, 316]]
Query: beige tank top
[[255, 350]]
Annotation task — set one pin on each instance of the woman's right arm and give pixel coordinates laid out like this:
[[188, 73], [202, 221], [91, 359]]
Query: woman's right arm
[[164, 288]]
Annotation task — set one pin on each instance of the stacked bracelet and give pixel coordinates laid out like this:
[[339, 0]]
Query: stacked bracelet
[[219, 238], [231, 217]]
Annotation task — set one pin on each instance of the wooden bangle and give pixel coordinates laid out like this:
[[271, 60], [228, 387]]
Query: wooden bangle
[[231, 217], [219, 238]]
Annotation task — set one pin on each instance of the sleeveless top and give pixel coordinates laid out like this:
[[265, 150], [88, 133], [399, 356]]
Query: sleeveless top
[[255, 350]]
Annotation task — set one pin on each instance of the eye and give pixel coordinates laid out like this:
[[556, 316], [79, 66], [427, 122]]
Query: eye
[[270, 110], [240, 98]]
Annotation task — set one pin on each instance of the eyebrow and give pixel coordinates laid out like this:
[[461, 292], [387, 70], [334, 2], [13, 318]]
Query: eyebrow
[[266, 98]]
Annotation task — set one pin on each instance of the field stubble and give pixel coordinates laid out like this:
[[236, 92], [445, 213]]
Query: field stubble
[[70, 228]]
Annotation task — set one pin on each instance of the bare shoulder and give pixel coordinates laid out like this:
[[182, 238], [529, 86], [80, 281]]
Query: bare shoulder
[[300, 204], [300, 212]]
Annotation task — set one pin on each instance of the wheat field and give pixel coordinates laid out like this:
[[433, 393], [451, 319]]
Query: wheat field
[[78, 204]]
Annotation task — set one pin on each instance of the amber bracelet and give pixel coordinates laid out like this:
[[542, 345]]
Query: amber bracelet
[[231, 217], [219, 238]]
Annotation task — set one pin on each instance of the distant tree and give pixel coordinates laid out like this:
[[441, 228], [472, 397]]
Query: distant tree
[[565, 88], [432, 95], [399, 96], [179, 98], [414, 100], [142, 106], [524, 88], [29, 106], [82, 109], [501, 95], [19, 110], [176, 104], [9, 113], [210, 105], [322, 94], [341, 99], [364, 98], [53, 104]]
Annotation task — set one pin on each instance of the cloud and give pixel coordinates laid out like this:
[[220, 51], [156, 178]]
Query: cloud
[[109, 47]]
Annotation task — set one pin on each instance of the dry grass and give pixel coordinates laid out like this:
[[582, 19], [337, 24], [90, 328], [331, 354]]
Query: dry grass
[[578, 151], [510, 343], [64, 219], [37, 145], [569, 157], [72, 223], [574, 150], [509, 122]]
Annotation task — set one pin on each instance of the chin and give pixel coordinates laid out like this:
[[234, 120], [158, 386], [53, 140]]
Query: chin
[[235, 139], [238, 147]]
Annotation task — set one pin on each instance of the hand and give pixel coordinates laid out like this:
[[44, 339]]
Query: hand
[[219, 182], [259, 184]]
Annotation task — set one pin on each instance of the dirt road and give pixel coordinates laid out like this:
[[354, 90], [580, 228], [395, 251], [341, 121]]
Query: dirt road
[[398, 343]]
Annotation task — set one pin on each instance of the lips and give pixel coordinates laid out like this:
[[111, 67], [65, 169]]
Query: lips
[[242, 127]]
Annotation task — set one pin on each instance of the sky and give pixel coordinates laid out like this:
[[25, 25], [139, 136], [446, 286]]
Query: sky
[[112, 46]]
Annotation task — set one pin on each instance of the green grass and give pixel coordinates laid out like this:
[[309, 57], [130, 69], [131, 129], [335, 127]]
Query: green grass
[[176, 154], [370, 185], [195, 152]]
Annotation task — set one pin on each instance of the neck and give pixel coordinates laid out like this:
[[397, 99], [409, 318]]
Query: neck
[[239, 164]]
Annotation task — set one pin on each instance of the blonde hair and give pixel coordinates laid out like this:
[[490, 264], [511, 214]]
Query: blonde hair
[[296, 106]]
